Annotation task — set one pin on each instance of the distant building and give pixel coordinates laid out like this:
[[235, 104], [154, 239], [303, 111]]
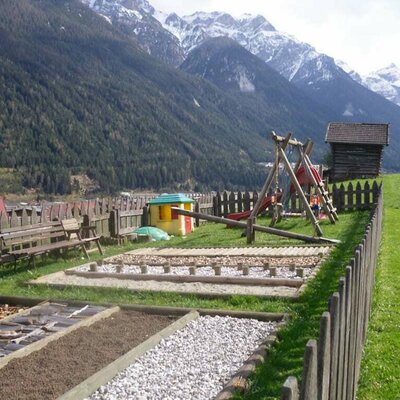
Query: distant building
[[357, 149]]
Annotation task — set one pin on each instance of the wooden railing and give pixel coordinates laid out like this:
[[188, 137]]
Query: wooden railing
[[332, 363]]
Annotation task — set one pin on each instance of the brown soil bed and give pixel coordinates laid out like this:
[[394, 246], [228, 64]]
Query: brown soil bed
[[61, 365]]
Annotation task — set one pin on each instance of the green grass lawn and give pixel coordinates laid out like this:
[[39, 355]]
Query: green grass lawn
[[380, 374], [207, 235]]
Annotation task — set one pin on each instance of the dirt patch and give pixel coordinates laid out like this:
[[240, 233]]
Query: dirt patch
[[52, 371]]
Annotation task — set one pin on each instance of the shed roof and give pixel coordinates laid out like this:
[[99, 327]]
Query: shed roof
[[357, 133], [177, 198]]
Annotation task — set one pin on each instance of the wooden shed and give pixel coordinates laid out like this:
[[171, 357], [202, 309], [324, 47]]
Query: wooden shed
[[357, 149]]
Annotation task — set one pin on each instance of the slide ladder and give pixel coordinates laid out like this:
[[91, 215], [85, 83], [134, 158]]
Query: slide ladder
[[323, 193]]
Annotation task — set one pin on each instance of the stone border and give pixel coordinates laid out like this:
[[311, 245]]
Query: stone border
[[40, 344], [90, 385], [296, 282], [239, 381]]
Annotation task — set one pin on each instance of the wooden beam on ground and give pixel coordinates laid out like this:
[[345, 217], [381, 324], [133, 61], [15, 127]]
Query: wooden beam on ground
[[259, 228]]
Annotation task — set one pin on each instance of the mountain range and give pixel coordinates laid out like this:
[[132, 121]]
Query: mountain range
[[344, 94], [134, 98]]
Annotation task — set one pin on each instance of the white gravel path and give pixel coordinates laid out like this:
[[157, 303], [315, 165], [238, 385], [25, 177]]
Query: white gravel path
[[254, 272], [193, 363]]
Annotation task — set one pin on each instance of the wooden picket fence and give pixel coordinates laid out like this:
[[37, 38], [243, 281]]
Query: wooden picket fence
[[331, 366], [132, 210], [110, 216], [344, 199]]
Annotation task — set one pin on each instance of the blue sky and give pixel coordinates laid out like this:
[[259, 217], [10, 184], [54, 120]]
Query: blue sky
[[363, 33]]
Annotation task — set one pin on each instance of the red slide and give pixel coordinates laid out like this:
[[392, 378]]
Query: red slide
[[303, 179], [246, 214]]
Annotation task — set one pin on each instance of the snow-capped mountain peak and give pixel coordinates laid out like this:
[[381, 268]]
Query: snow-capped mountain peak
[[385, 81], [141, 20], [295, 60]]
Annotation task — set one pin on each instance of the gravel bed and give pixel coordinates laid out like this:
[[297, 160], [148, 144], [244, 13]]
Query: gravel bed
[[193, 363], [227, 260], [230, 271]]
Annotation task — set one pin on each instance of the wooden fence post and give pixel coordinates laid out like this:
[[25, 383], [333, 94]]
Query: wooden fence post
[[342, 338], [290, 389], [231, 202], [240, 202], [247, 201], [347, 312], [375, 192], [145, 216], [197, 210], [334, 310], [342, 200], [367, 194], [352, 329], [225, 200], [324, 356], [359, 204], [350, 194], [309, 381], [336, 197]]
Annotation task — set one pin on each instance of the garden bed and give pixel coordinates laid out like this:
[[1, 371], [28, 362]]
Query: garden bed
[[194, 362], [64, 363], [21, 332]]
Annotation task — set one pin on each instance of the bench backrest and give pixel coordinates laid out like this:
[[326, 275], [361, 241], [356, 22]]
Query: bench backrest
[[31, 235], [70, 225]]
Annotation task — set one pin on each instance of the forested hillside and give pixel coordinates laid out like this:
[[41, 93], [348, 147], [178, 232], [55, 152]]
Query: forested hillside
[[76, 96]]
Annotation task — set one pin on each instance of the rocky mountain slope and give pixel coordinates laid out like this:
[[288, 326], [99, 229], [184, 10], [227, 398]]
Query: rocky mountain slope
[[257, 87], [136, 18]]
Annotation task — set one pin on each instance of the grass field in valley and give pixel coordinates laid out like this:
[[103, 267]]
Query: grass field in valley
[[286, 356]]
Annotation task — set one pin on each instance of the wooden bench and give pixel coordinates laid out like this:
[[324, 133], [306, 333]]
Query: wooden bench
[[32, 240]]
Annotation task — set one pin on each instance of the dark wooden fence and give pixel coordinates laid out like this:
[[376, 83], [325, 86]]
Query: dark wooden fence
[[344, 198], [112, 217], [332, 363]]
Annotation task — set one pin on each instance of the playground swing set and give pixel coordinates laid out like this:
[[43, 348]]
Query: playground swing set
[[302, 174]]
